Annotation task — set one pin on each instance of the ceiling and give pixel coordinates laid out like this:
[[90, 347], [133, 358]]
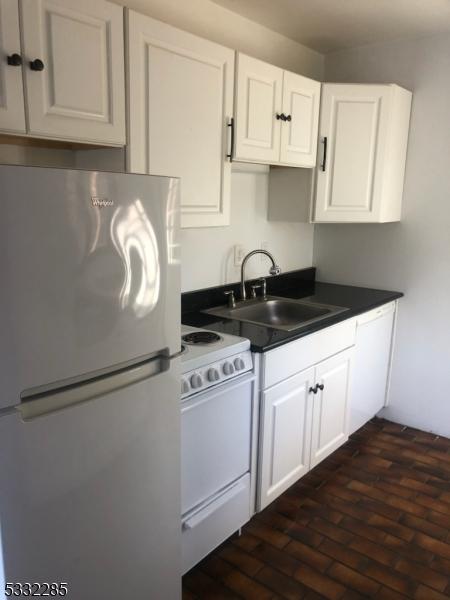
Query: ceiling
[[328, 25]]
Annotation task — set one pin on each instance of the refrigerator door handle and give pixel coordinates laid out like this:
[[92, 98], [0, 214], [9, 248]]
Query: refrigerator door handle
[[42, 404]]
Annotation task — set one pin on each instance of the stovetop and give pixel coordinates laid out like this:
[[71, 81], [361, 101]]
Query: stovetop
[[209, 360], [202, 353]]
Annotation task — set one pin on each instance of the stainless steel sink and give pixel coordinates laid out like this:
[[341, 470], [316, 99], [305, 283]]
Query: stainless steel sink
[[279, 313]]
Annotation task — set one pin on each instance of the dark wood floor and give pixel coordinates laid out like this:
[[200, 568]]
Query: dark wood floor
[[372, 520]]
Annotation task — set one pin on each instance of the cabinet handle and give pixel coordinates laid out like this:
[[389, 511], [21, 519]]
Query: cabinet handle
[[289, 118], [320, 386], [231, 125], [281, 117], [36, 65], [325, 145], [313, 390], [14, 60]]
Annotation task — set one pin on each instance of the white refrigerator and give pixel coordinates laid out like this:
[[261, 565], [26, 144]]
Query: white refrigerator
[[90, 385]]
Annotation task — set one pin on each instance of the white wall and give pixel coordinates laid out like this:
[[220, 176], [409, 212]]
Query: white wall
[[207, 254], [412, 256]]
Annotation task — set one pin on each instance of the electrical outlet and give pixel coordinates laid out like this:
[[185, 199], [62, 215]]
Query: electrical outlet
[[239, 253]]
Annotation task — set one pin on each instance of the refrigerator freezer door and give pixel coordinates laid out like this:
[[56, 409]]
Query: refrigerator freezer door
[[89, 266], [90, 495]]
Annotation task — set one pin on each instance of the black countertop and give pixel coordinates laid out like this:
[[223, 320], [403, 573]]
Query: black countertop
[[296, 284]]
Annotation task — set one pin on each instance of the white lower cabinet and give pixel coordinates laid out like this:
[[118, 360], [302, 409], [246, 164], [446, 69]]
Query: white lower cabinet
[[304, 418], [286, 434], [330, 406]]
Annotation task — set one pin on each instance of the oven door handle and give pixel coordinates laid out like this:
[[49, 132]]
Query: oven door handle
[[201, 515]]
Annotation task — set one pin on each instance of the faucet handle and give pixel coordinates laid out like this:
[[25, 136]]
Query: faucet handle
[[264, 287], [231, 298], [275, 270], [254, 287]]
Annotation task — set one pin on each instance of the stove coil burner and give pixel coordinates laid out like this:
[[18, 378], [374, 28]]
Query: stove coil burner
[[201, 338]]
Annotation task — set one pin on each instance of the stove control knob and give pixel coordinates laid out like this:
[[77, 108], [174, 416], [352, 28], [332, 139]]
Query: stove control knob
[[228, 368], [239, 364], [196, 381], [185, 387], [213, 375]]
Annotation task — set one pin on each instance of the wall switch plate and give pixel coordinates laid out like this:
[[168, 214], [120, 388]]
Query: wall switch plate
[[239, 253]]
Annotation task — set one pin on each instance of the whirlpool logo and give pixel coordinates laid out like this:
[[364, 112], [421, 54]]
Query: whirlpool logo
[[101, 202]]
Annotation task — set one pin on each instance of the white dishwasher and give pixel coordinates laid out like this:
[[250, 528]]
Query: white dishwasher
[[374, 332]]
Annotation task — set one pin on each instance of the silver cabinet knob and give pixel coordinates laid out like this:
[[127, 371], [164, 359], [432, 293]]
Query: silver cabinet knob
[[228, 368], [185, 387], [239, 364], [196, 381], [213, 375]]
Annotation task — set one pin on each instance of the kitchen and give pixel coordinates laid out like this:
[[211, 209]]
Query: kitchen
[[150, 149]]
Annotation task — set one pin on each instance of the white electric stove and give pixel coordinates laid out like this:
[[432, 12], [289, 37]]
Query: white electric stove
[[210, 358], [218, 408]]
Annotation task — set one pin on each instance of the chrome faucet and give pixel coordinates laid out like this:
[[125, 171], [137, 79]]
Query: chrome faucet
[[274, 269]]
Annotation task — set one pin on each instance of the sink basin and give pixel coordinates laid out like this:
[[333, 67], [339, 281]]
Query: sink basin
[[279, 313]]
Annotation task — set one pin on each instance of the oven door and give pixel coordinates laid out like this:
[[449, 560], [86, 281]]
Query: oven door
[[216, 430]]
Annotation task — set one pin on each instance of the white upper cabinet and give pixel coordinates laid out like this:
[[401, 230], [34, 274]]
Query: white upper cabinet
[[74, 70], [301, 102], [180, 91], [69, 55], [259, 97], [12, 108], [277, 115], [364, 135]]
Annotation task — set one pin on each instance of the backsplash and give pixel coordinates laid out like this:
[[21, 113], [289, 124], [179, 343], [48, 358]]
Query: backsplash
[[214, 296]]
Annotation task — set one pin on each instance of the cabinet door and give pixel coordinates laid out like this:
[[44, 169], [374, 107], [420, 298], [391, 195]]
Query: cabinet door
[[301, 101], [258, 102], [180, 101], [12, 110], [353, 131], [330, 410], [80, 93], [285, 435]]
